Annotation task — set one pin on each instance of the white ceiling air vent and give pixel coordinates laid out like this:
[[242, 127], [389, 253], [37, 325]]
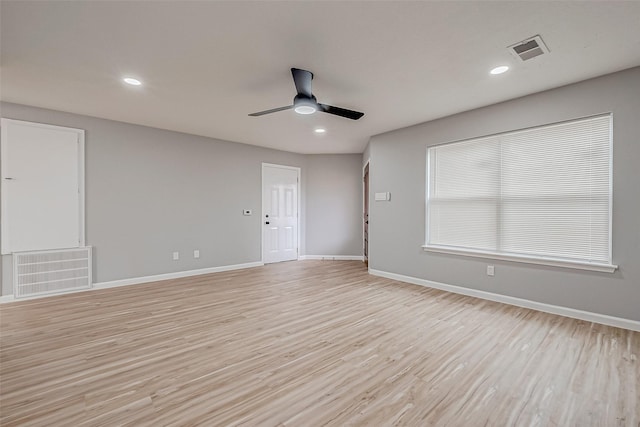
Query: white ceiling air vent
[[529, 48]]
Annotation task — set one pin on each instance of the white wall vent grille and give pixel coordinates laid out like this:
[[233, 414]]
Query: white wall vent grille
[[51, 272], [529, 48]]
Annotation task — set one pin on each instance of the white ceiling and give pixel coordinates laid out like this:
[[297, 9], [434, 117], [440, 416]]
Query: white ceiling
[[206, 65]]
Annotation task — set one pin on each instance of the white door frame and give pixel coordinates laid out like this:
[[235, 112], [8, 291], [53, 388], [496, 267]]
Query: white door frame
[[367, 163], [262, 213]]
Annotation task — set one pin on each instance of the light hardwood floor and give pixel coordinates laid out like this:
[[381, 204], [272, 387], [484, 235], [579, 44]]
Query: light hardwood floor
[[307, 343]]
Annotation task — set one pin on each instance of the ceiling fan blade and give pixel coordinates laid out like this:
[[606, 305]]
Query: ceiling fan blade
[[342, 112], [302, 80], [273, 110]]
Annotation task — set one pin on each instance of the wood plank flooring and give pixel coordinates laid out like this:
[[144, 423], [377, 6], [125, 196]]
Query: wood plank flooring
[[307, 343]]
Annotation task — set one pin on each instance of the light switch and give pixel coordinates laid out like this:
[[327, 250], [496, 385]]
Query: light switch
[[196, 253], [490, 270], [176, 256], [383, 197]]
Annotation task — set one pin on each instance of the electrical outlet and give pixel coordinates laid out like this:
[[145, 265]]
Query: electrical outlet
[[490, 270], [196, 254], [176, 256]]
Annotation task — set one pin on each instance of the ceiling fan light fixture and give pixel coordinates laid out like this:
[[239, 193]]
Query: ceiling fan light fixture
[[305, 104], [305, 109]]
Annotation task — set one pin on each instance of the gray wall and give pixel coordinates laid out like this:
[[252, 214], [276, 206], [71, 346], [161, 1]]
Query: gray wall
[[331, 220], [397, 228], [150, 192]]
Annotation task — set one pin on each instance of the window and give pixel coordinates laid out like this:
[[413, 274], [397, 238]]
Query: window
[[540, 195]]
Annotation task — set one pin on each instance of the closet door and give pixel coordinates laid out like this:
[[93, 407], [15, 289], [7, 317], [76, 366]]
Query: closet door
[[42, 187]]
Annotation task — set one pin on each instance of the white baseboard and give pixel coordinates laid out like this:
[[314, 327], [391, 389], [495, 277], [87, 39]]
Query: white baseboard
[[604, 319], [176, 275], [6, 298], [332, 257], [146, 279]]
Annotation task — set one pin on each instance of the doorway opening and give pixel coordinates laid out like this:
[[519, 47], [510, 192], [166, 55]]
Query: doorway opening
[[365, 215]]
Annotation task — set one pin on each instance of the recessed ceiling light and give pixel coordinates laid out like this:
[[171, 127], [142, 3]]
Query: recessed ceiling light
[[499, 70], [131, 81], [320, 130]]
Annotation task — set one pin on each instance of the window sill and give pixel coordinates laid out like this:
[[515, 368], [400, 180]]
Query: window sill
[[603, 268]]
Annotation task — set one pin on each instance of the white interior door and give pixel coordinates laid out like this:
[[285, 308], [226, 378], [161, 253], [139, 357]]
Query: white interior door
[[42, 186], [279, 213]]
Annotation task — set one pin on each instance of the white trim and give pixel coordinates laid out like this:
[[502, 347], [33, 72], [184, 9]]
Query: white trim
[[175, 275], [333, 257], [7, 298], [610, 187], [299, 196], [4, 230], [365, 166], [147, 279], [528, 259], [364, 197], [588, 316], [81, 188], [427, 196], [273, 165]]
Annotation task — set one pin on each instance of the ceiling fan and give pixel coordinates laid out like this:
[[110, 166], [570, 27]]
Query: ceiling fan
[[305, 103]]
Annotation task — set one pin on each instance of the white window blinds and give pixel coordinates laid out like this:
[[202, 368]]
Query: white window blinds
[[541, 193]]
